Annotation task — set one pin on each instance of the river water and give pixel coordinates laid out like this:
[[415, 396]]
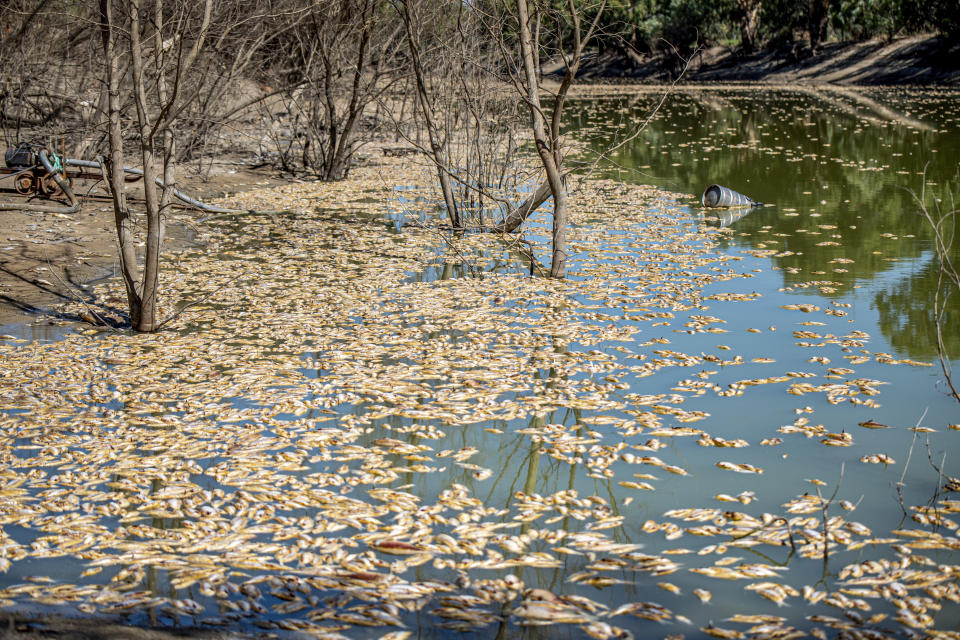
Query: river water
[[663, 439]]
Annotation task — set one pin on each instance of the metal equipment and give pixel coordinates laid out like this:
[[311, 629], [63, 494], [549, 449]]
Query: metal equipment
[[37, 171], [718, 196]]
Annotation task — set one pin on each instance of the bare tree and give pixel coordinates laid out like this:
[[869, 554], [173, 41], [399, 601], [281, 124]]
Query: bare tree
[[516, 38], [468, 121], [943, 223], [161, 51], [412, 24], [341, 57], [123, 221], [522, 60]]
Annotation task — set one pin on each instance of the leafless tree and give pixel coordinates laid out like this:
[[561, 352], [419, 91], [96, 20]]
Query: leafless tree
[[339, 57], [161, 49], [942, 220], [43, 59], [467, 120], [527, 33], [413, 23], [514, 38]]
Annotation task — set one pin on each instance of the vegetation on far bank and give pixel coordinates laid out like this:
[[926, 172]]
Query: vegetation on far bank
[[680, 26]]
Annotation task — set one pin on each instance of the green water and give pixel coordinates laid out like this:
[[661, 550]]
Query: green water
[[842, 181], [841, 233]]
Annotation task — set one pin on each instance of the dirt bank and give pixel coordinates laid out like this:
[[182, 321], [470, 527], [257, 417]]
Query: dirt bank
[[922, 59], [48, 258]]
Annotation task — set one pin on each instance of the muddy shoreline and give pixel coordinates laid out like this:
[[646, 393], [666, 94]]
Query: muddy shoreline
[[47, 259], [913, 60], [26, 626]]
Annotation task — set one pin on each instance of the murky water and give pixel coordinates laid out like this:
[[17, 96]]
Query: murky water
[[842, 181], [663, 422]]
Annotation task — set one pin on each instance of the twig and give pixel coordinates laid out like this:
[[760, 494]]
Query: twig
[[946, 272], [77, 296], [825, 508], [907, 464], [176, 314]]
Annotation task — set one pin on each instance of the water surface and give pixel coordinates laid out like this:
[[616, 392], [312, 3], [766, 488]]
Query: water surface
[[355, 383]]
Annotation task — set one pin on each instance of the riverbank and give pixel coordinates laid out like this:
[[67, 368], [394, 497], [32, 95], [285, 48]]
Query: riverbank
[[918, 60], [47, 258], [358, 424], [22, 626]]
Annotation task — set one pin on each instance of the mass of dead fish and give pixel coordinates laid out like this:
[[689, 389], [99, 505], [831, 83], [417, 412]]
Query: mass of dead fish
[[308, 450]]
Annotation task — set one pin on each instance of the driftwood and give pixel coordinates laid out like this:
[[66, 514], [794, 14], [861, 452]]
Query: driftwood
[[520, 213]]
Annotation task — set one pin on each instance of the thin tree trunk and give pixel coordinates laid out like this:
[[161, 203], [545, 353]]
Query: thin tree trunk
[[558, 262], [546, 147], [750, 23], [151, 265], [436, 146], [121, 214], [819, 10], [166, 133]]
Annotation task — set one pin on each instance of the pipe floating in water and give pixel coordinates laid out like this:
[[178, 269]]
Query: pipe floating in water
[[718, 196]]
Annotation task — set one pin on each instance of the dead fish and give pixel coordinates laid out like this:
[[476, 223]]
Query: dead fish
[[873, 424], [724, 634]]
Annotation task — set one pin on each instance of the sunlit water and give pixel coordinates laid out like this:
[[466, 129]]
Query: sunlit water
[[841, 232]]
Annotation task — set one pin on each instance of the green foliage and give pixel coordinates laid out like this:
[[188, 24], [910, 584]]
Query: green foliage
[[862, 19], [946, 18], [622, 25], [692, 22], [647, 25]]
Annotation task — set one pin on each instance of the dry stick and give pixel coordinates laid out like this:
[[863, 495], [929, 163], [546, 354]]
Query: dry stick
[[785, 521], [643, 125], [176, 314], [946, 269], [907, 464], [528, 253], [825, 507], [446, 170], [449, 242], [938, 312], [76, 296], [936, 492], [446, 240]]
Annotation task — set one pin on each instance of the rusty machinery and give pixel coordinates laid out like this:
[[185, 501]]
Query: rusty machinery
[[37, 171]]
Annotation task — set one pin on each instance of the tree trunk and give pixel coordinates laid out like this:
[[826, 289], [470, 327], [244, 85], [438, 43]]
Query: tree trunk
[[749, 23], [520, 213], [151, 265], [121, 214], [546, 146], [437, 146], [558, 263], [168, 142], [819, 10]]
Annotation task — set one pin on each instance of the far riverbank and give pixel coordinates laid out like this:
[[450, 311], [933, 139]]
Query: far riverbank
[[918, 60]]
